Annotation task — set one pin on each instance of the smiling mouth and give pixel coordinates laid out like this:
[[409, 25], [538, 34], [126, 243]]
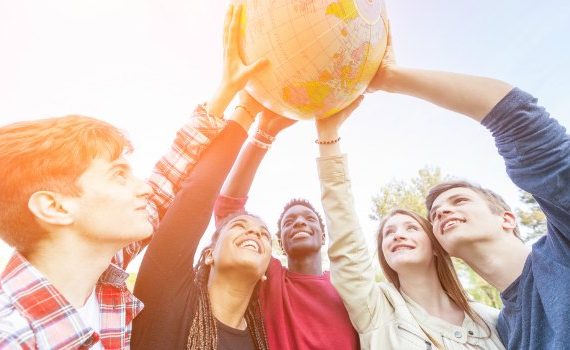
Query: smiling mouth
[[300, 235], [451, 224], [402, 247], [250, 244]]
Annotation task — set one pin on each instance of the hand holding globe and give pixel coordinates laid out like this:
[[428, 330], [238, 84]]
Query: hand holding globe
[[323, 54]]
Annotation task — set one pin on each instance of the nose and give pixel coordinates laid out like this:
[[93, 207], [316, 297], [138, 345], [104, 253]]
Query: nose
[[299, 221], [442, 212], [142, 188], [399, 235], [254, 231]]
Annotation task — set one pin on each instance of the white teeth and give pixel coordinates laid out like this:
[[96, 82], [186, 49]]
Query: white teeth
[[402, 248], [301, 234], [249, 244], [451, 223]]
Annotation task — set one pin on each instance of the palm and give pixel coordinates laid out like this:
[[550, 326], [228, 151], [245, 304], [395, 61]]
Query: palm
[[334, 122], [236, 73], [273, 123], [388, 61]]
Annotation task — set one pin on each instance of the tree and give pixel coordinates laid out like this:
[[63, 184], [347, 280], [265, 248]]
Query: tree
[[407, 195], [411, 195], [532, 218]]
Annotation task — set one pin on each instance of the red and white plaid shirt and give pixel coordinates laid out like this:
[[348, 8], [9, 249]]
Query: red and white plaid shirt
[[34, 314]]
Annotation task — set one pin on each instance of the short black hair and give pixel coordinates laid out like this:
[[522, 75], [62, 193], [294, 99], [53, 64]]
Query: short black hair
[[299, 201]]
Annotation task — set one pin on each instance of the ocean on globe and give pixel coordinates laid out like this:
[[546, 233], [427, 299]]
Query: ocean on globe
[[323, 53]]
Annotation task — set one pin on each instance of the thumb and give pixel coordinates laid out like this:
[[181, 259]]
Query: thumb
[[257, 66]]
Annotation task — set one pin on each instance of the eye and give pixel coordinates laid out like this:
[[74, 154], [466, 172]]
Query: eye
[[311, 219], [461, 200], [121, 175], [388, 232], [238, 224], [413, 228]]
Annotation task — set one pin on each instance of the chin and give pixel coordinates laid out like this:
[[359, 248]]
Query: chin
[[406, 262], [302, 250]]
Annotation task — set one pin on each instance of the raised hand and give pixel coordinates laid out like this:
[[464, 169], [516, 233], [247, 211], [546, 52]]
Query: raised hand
[[327, 128], [236, 73], [270, 123], [388, 62]]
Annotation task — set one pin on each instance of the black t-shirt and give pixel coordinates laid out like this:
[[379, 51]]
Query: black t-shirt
[[233, 339], [165, 282]]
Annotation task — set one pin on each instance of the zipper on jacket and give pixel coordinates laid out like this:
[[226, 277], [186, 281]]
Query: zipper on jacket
[[428, 343]]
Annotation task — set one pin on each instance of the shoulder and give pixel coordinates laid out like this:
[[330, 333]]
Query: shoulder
[[488, 313], [275, 266]]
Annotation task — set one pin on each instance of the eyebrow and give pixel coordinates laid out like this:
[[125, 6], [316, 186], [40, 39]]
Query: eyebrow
[[407, 222], [119, 164], [244, 221], [236, 220], [451, 198], [304, 212]]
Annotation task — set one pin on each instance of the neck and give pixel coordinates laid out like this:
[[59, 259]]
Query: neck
[[72, 266], [499, 261], [229, 297], [309, 264], [423, 287]]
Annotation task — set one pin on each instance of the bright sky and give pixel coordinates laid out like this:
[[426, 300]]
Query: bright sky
[[144, 64]]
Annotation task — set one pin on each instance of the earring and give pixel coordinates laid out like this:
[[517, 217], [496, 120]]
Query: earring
[[263, 278]]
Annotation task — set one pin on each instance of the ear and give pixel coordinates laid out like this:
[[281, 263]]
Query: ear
[[51, 208], [509, 221], [324, 238], [209, 258]]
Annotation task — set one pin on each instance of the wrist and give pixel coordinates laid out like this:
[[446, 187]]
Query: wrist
[[388, 78], [264, 136], [327, 134], [218, 103]]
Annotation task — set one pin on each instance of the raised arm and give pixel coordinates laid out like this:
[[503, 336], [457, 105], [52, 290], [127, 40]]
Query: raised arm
[[536, 150], [352, 271], [236, 188], [535, 147], [195, 136], [465, 94]]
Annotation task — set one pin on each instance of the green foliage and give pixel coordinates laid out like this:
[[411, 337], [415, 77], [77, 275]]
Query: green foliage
[[407, 195], [410, 195], [532, 218], [475, 286], [131, 281]]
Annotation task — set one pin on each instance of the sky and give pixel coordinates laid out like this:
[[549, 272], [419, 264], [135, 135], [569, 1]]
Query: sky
[[143, 65]]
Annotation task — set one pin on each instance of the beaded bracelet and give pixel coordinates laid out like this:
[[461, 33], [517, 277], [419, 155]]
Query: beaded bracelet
[[203, 108], [246, 110], [265, 135], [327, 142]]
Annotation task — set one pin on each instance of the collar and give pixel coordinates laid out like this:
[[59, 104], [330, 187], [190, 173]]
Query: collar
[[37, 300]]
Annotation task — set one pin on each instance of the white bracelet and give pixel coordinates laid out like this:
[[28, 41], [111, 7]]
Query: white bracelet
[[259, 144]]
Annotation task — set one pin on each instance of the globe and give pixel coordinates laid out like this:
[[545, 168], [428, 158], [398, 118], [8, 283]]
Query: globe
[[323, 53]]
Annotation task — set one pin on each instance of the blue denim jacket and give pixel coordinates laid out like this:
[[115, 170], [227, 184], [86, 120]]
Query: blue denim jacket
[[536, 150]]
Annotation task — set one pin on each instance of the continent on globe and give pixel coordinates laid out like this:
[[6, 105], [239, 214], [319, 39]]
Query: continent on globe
[[323, 53]]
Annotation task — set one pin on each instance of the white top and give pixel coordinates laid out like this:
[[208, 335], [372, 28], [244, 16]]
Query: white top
[[91, 316]]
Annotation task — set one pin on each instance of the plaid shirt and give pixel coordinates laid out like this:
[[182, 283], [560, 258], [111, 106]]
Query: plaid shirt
[[35, 315]]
